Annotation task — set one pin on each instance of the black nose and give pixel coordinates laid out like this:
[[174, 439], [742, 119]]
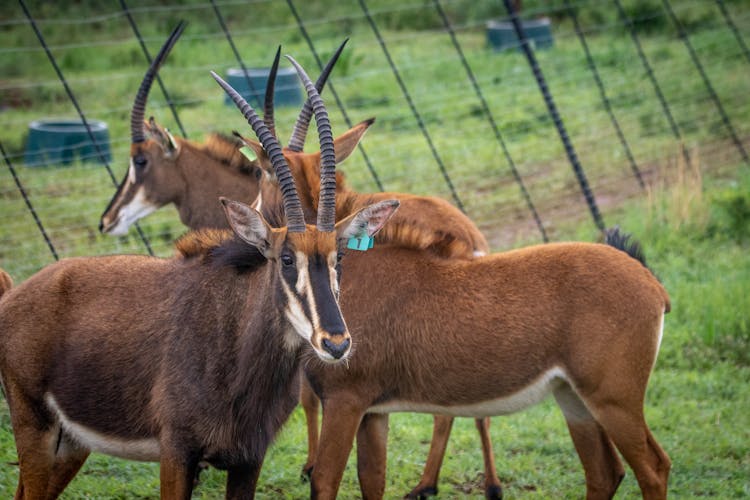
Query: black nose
[[336, 350], [101, 226]]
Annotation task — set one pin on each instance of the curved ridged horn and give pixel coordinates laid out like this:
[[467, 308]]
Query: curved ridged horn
[[297, 141], [139, 106], [327, 201], [270, 87], [292, 206]]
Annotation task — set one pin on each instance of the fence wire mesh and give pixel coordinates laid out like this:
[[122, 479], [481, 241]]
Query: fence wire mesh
[[475, 108]]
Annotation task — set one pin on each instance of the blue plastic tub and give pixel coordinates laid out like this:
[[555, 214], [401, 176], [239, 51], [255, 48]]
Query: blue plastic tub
[[61, 141], [286, 92], [502, 36]]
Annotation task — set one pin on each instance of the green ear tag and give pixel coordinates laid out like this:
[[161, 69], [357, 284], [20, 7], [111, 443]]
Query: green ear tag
[[248, 153], [361, 243]]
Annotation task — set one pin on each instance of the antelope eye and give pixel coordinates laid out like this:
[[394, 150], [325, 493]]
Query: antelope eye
[[339, 256], [140, 161], [287, 260]]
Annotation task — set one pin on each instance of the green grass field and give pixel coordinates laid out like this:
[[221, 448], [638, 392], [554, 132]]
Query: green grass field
[[693, 221], [696, 235]]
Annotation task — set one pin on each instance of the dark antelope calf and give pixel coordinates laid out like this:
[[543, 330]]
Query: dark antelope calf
[[178, 360], [490, 336], [166, 169]]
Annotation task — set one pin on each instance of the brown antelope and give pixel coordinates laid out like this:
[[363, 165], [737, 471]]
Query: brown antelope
[[492, 336], [165, 169], [184, 359]]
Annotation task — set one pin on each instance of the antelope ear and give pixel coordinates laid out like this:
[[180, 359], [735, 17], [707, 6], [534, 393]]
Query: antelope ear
[[347, 142], [162, 137], [249, 225], [260, 154], [367, 221]]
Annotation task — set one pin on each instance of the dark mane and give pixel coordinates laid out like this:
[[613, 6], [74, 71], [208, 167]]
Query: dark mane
[[220, 247], [626, 243], [225, 150]]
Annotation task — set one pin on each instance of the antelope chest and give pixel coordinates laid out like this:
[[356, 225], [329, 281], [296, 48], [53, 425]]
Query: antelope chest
[[509, 402]]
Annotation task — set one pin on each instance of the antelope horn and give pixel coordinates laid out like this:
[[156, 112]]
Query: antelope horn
[[297, 141], [268, 104], [139, 106], [292, 206], [327, 201]]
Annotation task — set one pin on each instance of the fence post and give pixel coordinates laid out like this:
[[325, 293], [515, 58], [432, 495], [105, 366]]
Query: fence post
[[603, 94], [552, 109], [706, 81], [491, 119], [73, 100], [339, 103], [413, 108]]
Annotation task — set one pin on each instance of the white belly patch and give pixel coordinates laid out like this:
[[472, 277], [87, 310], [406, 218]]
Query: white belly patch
[[530, 395], [136, 449]]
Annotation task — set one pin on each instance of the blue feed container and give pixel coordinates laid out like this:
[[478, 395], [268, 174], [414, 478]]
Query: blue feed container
[[61, 141], [502, 36], [286, 92]]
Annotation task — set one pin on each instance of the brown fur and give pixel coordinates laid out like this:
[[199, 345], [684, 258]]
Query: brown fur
[[225, 151], [460, 332]]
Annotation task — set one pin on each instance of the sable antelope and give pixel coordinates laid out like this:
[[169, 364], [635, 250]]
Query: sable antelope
[[492, 336], [184, 359], [165, 169]]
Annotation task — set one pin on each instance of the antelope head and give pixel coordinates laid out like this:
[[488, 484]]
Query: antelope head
[[306, 256], [152, 179]]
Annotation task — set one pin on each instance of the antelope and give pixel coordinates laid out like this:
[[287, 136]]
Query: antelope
[[166, 169], [491, 336], [184, 359]]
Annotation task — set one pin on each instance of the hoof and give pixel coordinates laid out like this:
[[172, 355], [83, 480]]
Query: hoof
[[422, 493], [494, 492], [306, 473]]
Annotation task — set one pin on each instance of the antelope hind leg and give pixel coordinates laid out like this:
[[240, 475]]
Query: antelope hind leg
[[601, 465]]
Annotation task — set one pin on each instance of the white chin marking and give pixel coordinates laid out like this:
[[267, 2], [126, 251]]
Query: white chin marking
[[511, 403], [136, 449], [138, 208], [479, 253]]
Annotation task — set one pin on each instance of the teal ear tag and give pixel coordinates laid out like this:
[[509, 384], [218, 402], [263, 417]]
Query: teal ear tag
[[361, 243], [248, 153]]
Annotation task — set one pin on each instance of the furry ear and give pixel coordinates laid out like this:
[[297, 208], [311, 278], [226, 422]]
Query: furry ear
[[162, 137], [347, 142], [367, 221], [249, 225], [262, 158]]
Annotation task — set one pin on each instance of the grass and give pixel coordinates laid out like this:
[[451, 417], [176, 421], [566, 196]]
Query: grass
[[694, 221]]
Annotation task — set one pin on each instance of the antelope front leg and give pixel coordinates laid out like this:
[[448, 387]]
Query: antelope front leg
[[372, 444], [176, 475], [340, 423], [242, 481]]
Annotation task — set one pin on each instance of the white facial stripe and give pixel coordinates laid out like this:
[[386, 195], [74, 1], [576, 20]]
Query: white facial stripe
[[332, 272], [295, 313], [138, 208], [303, 276], [527, 396], [136, 449], [131, 172], [258, 203]]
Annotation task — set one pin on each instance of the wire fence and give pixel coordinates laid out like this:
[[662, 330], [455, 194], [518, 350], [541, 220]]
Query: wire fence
[[527, 139]]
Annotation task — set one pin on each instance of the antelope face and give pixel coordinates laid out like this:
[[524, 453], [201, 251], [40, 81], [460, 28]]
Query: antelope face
[[307, 268], [152, 181]]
